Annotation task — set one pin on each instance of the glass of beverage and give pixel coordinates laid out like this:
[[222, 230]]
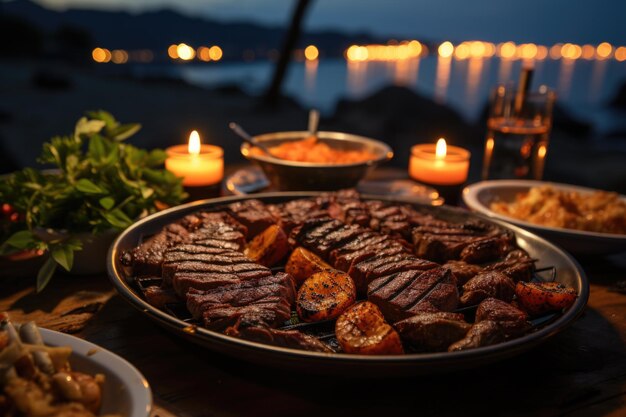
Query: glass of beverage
[[518, 127]]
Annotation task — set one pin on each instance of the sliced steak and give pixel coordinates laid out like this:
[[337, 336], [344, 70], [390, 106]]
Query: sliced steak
[[253, 214], [146, 259], [483, 333], [262, 301], [432, 332], [512, 321], [380, 245], [159, 297], [408, 293], [294, 213], [293, 339], [383, 264], [490, 284], [463, 271], [214, 233]]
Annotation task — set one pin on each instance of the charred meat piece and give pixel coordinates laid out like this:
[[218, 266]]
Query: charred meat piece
[[483, 333], [408, 293], [485, 250], [159, 297], [293, 339], [207, 276], [463, 271], [432, 332], [364, 247], [253, 214], [264, 301], [199, 219], [312, 231], [145, 259], [294, 213], [490, 284], [443, 241], [221, 235], [512, 321], [381, 265], [517, 265]]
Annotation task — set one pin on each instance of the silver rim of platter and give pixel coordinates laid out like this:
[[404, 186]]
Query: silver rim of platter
[[568, 272]]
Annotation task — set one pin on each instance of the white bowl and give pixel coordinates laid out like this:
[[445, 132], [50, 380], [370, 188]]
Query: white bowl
[[125, 391], [479, 196]]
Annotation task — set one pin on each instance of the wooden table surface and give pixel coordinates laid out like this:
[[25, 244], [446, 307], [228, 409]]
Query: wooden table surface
[[579, 372]]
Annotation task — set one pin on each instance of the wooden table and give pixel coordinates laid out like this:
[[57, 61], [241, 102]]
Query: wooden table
[[579, 372]]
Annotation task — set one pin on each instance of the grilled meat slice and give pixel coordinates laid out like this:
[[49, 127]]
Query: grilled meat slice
[[490, 284], [487, 249], [266, 300], [517, 265], [320, 236], [483, 333], [199, 219], [159, 297], [381, 265], [294, 213], [432, 332], [145, 259], [463, 271], [253, 214], [293, 339], [365, 247], [218, 234], [512, 321], [408, 293]]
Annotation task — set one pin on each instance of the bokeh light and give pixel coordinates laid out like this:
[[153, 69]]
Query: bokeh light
[[311, 53]]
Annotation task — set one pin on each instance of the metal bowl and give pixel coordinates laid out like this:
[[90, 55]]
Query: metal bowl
[[288, 175], [568, 272]]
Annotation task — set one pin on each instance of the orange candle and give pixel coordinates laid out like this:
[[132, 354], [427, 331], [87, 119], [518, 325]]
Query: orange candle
[[439, 164], [199, 165]]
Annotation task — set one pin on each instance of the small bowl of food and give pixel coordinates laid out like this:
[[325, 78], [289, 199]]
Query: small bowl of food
[[324, 162]]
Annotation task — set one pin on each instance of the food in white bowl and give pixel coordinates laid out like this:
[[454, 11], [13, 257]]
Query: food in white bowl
[[559, 208], [46, 374]]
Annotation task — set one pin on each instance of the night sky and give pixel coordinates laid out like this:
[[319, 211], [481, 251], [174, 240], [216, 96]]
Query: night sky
[[539, 21]]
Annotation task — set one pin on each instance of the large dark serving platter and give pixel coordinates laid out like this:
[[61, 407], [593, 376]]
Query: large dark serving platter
[[567, 270]]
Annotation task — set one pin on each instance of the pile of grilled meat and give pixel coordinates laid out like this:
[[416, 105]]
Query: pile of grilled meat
[[384, 277]]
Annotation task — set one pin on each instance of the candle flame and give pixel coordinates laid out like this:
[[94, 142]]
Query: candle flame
[[441, 150], [194, 143]]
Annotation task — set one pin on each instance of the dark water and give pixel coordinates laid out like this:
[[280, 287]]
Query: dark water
[[583, 87]]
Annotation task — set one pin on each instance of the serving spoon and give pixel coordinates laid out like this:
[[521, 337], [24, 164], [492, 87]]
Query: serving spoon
[[314, 119], [250, 139]]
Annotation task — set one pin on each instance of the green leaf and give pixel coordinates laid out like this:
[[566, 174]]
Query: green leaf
[[86, 186], [117, 218], [97, 148], [124, 131], [104, 116], [87, 127], [21, 240], [45, 273], [63, 255], [107, 202]]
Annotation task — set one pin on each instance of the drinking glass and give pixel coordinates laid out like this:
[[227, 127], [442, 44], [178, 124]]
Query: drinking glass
[[518, 128]]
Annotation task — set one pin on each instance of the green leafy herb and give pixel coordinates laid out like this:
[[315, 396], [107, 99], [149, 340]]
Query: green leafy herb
[[100, 182]]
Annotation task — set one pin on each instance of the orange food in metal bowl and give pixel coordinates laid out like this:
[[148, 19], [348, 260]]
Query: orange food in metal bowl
[[314, 151]]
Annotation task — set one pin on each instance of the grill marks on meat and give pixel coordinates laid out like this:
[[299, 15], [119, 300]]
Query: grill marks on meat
[[294, 213], [411, 292], [265, 301], [145, 260], [253, 214], [471, 242]]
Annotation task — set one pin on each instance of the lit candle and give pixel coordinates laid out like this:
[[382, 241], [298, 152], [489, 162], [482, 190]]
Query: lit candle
[[199, 165], [439, 164]]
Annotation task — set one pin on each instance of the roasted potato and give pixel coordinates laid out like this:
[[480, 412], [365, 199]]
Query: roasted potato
[[362, 329], [542, 297], [268, 247], [325, 295], [303, 263]]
